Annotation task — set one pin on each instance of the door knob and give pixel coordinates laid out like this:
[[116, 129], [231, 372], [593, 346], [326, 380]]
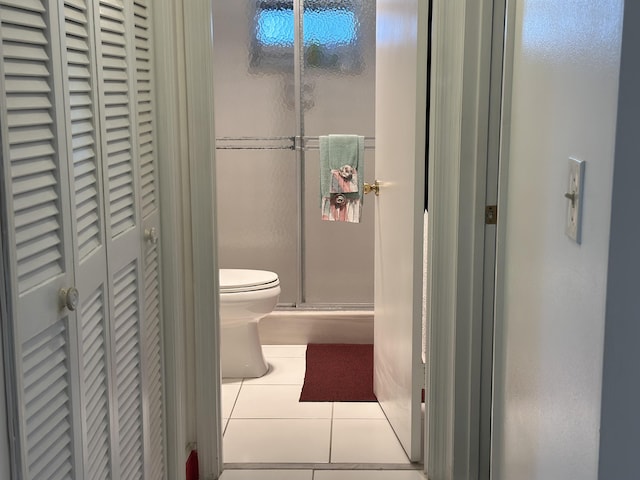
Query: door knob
[[368, 188], [69, 298], [151, 235]]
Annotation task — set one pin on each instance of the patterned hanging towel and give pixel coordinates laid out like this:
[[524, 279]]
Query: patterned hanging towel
[[341, 174], [338, 208], [344, 180]]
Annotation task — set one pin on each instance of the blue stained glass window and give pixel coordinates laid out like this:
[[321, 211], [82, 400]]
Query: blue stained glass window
[[325, 27]]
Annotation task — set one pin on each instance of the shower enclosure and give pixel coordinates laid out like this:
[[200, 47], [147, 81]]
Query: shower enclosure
[[286, 73]]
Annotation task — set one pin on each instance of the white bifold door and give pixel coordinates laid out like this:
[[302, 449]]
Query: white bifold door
[[80, 217]]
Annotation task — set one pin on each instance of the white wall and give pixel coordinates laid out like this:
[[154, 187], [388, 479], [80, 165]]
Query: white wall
[[550, 327]]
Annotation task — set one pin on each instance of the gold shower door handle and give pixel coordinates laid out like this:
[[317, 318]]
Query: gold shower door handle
[[368, 188]]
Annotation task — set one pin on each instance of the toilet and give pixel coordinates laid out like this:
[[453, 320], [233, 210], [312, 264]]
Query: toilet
[[245, 297]]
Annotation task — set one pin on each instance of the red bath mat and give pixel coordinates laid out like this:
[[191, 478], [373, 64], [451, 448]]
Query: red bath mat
[[338, 373]]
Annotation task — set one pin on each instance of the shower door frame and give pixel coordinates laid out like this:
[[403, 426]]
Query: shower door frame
[[301, 144]]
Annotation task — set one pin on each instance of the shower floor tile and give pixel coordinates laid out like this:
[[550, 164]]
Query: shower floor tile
[[268, 425], [365, 441], [284, 351], [282, 371], [322, 475], [277, 441], [277, 401], [267, 475], [367, 475], [358, 410], [230, 391]]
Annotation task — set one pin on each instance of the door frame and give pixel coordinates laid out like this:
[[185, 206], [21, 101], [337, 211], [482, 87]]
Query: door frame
[[198, 17], [459, 119], [499, 62], [175, 232], [459, 146]]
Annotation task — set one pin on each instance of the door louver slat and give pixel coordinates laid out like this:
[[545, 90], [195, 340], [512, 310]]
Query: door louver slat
[[78, 4], [33, 5]]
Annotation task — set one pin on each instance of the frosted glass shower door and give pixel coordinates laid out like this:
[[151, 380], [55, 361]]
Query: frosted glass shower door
[[257, 214], [257, 181], [278, 86], [338, 97]]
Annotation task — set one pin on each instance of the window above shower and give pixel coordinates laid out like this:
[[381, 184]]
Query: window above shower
[[330, 32]]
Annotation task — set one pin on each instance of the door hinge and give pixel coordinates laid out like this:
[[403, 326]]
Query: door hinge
[[491, 214]]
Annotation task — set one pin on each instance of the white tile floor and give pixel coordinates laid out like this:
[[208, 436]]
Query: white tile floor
[[264, 423]]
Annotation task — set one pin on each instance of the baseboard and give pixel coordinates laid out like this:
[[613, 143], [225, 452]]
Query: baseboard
[[299, 327]]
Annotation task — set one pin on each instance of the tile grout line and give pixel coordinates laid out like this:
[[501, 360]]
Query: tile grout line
[[331, 432], [235, 401]]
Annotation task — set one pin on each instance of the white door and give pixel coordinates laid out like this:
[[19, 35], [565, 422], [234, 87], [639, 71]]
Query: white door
[[87, 214], [401, 69], [151, 251]]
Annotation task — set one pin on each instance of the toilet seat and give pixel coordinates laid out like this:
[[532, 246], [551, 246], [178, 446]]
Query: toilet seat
[[239, 280]]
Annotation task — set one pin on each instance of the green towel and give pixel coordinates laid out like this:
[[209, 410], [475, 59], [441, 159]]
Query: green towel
[[337, 151]]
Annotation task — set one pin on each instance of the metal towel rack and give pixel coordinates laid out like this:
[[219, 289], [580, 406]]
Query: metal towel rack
[[277, 143]]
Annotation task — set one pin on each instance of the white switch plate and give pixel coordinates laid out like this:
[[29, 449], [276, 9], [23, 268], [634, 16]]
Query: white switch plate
[[574, 199]]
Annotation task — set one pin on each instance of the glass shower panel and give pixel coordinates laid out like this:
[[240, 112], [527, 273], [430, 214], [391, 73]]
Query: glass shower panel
[[338, 256], [257, 213], [257, 180], [264, 103], [254, 69], [338, 97]]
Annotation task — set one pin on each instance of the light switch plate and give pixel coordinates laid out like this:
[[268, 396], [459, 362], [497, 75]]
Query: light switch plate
[[574, 196]]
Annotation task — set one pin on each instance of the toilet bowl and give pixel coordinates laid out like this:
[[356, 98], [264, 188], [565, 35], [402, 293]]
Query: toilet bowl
[[245, 297]]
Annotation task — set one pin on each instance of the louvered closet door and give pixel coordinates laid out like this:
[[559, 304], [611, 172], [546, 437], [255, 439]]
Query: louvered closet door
[[37, 205], [124, 232], [145, 95], [83, 140], [120, 152]]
